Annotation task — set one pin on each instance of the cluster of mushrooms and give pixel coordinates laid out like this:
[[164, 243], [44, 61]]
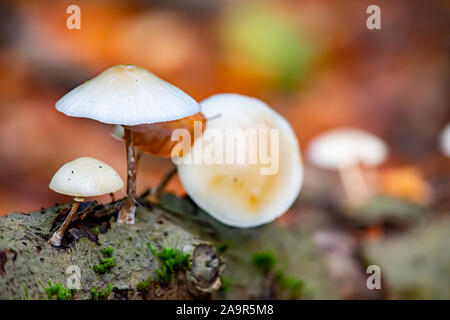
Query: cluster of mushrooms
[[143, 107], [146, 109]]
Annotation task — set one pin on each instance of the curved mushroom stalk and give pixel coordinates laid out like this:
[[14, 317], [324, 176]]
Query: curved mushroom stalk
[[127, 213], [59, 233], [156, 193]]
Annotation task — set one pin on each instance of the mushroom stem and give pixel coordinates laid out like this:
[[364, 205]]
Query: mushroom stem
[[355, 186], [58, 234], [156, 193], [127, 213]]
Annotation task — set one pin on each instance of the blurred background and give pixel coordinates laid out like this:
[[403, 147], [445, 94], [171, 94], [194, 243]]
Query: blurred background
[[315, 62]]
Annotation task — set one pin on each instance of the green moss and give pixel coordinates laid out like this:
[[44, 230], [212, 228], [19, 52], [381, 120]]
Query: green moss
[[293, 286], [171, 262], [27, 294], [106, 264], [224, 246], [96, 230], [58, 291], [144, 285], [226, 284], [107, 252], [264, 261], [102, 295]]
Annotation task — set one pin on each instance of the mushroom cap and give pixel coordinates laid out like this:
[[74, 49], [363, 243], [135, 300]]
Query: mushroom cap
[[86, 177], [127, 95], [445, 140], [238, 194], [346, 147]]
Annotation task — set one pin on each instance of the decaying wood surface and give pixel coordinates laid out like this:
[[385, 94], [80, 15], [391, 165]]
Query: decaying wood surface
[[316, 248], [26, 258]]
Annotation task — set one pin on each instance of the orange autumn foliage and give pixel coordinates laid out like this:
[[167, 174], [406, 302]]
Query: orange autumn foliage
[[406, 183], [155, 138]]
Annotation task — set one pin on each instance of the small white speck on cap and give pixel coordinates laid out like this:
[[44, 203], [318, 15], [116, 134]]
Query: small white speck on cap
[[86, 177]]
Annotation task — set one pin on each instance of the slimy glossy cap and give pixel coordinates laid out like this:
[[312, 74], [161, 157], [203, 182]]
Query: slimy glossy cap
[[127, 95], [346, 147], [86, 177]]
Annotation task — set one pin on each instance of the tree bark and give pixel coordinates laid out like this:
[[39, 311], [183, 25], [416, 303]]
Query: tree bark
[[26, 258]]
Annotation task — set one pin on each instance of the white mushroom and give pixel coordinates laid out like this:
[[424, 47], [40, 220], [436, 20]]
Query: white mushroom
[[344, 150], [445, 141], [80, 178], [128, 95], [246, 193]]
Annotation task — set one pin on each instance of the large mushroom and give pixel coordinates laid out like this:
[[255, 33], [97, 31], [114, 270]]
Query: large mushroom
[[128, 95], [80, 178], [344, 150], [232, 188]]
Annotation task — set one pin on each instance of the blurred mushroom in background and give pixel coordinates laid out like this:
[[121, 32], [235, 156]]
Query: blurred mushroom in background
[[346, 150]]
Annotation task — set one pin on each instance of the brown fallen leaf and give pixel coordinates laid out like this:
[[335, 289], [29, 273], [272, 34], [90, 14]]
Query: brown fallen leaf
[[405, 182], [155, 138]]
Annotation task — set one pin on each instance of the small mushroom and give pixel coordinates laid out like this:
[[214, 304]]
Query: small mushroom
[[80, 178], [345, 150], [128, 95], [445, 140], [243, 193]]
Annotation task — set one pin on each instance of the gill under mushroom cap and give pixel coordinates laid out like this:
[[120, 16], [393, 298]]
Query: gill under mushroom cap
[[445, 140], [237, 194], [86, 177], [127, 95], [346, 147]]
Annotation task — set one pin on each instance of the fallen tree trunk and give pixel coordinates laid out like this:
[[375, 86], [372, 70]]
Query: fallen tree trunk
[[26, 259], [298, 268]]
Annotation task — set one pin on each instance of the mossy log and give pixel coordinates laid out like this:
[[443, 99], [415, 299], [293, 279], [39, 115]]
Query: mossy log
[[221, 257], [26, 259]]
